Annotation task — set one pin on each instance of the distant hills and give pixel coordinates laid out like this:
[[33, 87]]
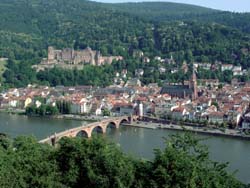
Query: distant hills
[[187, 32]]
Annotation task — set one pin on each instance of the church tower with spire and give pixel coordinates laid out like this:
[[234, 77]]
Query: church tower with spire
[[193, 85]]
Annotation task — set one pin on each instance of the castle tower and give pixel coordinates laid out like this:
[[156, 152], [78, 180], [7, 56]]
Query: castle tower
[[51, 54], [91, 55], [92, 59], [193, 85], [97, 58]]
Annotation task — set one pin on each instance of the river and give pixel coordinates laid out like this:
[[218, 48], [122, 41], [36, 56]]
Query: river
[[139, 142]]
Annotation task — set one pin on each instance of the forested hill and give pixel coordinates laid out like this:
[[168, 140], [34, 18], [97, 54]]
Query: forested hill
[[187, 32], [46, 17], [35, 24], [160, 11], [165, 11]]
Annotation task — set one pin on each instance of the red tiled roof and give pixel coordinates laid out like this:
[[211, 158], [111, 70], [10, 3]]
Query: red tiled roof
[[179, 109]]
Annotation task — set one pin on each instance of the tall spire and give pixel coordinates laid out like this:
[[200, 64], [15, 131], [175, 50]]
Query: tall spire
[[193, 84]]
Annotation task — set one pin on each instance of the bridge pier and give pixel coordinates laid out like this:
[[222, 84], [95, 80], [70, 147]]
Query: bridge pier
[[53, 141]]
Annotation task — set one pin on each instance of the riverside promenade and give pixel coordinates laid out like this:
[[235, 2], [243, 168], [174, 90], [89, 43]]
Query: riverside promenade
[[201, 130]]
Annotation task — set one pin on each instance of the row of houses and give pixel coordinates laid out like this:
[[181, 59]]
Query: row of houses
[[228, 104], [82, 100]]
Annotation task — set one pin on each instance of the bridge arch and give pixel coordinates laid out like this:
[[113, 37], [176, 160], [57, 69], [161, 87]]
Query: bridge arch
[[83, 134], [97, 129], [110, 126], [124, 120]]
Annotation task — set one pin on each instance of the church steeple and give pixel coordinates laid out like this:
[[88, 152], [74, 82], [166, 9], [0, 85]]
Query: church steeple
[[193, 85]]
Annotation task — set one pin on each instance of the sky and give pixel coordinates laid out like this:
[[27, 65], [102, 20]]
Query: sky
[[230, 5]]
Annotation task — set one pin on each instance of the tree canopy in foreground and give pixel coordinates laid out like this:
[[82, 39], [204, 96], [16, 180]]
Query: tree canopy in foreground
[[98, 163]]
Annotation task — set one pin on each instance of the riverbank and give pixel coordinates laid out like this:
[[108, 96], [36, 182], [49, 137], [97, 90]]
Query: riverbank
[[11, 111], [61, 116], [89, 119], [78, 117], [200, 130]]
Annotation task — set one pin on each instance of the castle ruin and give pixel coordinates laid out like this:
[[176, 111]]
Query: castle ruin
[[70, 58]]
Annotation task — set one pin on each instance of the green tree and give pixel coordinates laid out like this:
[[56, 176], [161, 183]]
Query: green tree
[[185, 163], [106, 112], [27, 164], [98, 163], [52, 110], [95, 163], [42, 110], [30, 110]]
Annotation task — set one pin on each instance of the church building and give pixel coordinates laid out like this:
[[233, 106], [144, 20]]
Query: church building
[[182, 91]]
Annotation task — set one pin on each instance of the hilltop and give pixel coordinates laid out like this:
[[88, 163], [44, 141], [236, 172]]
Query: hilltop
[[166, 11], [159, 11]]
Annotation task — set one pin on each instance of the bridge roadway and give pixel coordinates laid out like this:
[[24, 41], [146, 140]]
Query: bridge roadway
[[86, 130]]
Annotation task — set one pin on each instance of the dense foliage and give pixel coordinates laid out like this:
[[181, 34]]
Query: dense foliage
[[42, 110], [63, 107], [162, 11], [28, 27], [97, 163]]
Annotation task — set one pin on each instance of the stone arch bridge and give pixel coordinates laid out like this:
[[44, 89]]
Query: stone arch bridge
[[87, 130]]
